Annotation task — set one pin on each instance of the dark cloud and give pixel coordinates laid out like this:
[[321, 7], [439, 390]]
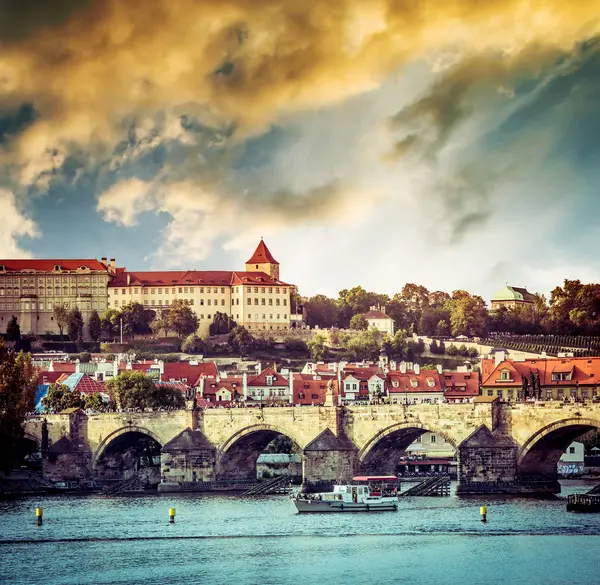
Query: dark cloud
[[21, 18]]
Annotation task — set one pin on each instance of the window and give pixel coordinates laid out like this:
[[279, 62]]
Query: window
[[249, 301], [222, 290], [202, 301], [181, 290], [185, 289], [255, 289], [116, 303], [433, 439], [208, 302], [571, 449], [315, 396], [256, 301], [116, 291], [123, 291], [167, 302], [222, 302], [285, 302], [153, 291], [262, 301], [269, 380], [270, 302], [270, 289], [160, 291], [277, 302], [490, 392], [136, 290], [173, 291], [505, 375], [145, 301], [208, 316], [215, 290], [277, 290], [249, 316]]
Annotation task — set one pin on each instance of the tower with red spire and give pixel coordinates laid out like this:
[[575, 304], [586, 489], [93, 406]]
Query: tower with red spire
[[262, 261]]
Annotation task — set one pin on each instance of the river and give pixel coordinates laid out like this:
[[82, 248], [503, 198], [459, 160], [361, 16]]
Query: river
[[231, 540]]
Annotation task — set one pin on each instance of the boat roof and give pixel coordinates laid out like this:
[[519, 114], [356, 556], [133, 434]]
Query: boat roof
[[375, 478]]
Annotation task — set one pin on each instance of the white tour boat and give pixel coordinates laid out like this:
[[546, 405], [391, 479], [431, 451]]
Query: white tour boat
[[365, 494]]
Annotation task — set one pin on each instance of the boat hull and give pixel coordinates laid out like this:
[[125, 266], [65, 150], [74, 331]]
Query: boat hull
[[316, 506]]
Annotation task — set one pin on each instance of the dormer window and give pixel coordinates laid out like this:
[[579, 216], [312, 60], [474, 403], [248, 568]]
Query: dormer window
[[269, 380], [257, 267], [2, 268], [505, 375], [430, 382], [56, 267], [414, 383], [83, 268], [184, 380]]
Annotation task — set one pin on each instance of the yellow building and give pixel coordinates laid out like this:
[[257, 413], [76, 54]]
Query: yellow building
[[254, 298], [30, 289]]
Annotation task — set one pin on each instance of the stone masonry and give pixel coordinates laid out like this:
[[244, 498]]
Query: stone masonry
[[501, 448]]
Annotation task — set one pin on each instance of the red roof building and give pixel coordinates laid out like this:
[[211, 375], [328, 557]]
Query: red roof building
[[559, 379], [311, 392], [460, 386]]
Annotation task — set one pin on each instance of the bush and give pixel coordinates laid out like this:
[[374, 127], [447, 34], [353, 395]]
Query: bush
[[452, 350], [473, 352], [193, 344]]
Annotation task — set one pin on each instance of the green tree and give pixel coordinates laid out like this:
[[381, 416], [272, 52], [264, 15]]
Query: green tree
[[317, 347], [136, 319], [193, 344], [222, 324], [240, 340], [364, 345], [180, 318], [18, 381], [133, 389], [321, 312], [160, 322], [110, 322], [61, 397], [61, 317], [95, 402], [468, 314], [359, 322], [75, 325], [95, 326], [13, 331], [355, 301]]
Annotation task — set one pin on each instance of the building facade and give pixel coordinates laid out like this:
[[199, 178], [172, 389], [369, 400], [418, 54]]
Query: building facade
[[511, 297], [254, 298], [30, 289], [377, 318]]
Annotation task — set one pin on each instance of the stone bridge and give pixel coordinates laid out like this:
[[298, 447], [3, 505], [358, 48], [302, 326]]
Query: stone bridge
[[501, 448]]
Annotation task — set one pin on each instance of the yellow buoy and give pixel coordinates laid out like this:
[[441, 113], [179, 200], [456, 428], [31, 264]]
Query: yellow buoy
[[171, 515], [483, 510], [39, 513]]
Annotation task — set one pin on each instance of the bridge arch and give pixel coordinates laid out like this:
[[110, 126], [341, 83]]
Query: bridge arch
[[382, 451], [237, 457], [541, 452], [118, 433]]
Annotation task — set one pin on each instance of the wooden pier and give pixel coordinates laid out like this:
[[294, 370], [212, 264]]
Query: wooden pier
[[432, 486]]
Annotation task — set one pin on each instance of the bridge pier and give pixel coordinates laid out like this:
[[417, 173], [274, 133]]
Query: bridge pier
[[326, 460]]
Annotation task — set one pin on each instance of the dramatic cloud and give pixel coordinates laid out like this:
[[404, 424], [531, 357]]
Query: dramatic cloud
[[14, 226], [364, 130]]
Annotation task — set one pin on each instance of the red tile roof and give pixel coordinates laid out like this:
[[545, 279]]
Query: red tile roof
[[192, 373], [373, 314], [63, 367], [192, 278], [586, 371], [400, 383], [261, 379], [88, 385], [262, 255], [460, 384], [308, 388], [211, 387], [47, 265], [46, 377], [363, 374]]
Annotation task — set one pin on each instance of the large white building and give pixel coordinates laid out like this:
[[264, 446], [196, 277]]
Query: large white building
[[254, 298], [377, 318]]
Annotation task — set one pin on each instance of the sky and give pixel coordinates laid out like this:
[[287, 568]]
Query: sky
[[454, 145]]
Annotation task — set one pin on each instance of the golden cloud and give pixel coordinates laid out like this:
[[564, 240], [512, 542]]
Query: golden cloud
[[249, 61]]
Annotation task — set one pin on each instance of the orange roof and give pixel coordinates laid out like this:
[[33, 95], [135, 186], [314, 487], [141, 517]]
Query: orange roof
[[262, 255], [363, 374], [47, 265], [585, 371], [232, 384]]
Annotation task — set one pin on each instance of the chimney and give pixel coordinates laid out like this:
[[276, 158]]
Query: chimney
[[245, 385], [417, 369], [499, 357], [291, 397], [439, 368], [103, 260], [393, 365], [403, 367], [201, 387], [111, 267], [128, 279], [77, 366], [258, 368]]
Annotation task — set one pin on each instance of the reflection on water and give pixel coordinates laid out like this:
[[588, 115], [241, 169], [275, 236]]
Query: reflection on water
[[226, 539]]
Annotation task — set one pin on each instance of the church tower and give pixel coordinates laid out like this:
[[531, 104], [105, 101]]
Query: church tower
[[262, 261]]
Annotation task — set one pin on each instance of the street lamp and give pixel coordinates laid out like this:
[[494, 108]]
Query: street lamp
[[121, 328]]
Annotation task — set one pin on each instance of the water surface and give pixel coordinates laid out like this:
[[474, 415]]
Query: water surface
[[235, 540]]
